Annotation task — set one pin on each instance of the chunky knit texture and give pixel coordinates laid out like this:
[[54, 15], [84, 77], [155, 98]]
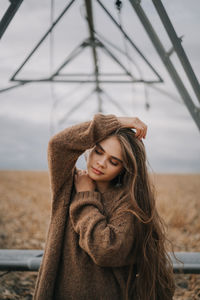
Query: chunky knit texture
[[89, 245]]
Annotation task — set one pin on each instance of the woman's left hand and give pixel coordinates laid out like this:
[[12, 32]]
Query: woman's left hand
[[135, 123], [83, 182]]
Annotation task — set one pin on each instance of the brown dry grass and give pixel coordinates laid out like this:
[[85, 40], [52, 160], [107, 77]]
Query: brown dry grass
[[25, 211], [178, 202]]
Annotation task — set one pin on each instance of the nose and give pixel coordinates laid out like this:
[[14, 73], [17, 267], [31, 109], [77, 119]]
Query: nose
[[101, 162]]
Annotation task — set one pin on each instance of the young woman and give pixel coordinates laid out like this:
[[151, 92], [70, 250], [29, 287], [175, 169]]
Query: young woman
[[105, 239]]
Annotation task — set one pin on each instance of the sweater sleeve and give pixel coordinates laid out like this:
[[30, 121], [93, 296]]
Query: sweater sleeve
[[65, 147], [107, 242]]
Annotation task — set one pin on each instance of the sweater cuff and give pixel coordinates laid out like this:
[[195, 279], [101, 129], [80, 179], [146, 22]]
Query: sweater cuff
[[86, 198]]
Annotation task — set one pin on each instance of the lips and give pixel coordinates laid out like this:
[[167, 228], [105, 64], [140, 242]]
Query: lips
[[96, 171]]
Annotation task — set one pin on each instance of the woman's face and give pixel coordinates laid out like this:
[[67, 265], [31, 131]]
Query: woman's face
[[105, 160]]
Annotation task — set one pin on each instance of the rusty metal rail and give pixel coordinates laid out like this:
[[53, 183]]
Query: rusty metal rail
[[30, 260]]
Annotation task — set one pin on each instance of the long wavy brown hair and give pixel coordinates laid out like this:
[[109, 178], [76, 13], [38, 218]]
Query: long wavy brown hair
[[151, 278]]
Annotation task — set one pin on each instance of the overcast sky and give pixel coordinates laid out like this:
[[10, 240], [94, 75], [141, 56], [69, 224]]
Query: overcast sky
[[30, 114]]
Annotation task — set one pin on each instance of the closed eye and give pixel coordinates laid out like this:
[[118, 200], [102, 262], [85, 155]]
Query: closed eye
[[97, 151], [113, 163]]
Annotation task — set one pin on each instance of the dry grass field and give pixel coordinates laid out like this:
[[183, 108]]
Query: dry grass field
[[25, 211]]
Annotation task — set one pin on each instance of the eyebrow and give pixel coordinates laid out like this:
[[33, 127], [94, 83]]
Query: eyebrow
[[111, 155]]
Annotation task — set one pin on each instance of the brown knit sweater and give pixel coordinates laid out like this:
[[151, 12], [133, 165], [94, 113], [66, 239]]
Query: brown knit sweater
[[87, 252]]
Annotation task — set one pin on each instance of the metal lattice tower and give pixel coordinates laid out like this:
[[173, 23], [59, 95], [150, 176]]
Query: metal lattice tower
[[96, 44]]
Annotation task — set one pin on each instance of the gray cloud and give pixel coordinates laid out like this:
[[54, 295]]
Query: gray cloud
[[173, 143], [23, 144]]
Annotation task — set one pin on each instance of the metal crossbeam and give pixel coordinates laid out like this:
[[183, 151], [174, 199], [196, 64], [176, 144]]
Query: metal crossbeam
[[9, 14], [60, 80], [176, 41], [95, 44], [193, 109], [42, 39], [30, 260], [131, 41], [91, 42]]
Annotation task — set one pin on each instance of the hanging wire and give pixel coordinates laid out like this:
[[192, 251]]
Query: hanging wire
[[145, 86], [76, 106], [125, 53], [102, 38], [55, 100], [118, 5], [51, 65], [130, 60], [76, 88]]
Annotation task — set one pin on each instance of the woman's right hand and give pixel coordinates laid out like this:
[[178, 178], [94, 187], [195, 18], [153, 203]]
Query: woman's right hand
[[83, 182], [134, 123]]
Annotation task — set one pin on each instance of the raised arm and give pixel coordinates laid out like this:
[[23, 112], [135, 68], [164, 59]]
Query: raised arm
[[65, 147]]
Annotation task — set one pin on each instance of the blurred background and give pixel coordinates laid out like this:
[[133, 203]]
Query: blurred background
[[33, 108], [32, 112]]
